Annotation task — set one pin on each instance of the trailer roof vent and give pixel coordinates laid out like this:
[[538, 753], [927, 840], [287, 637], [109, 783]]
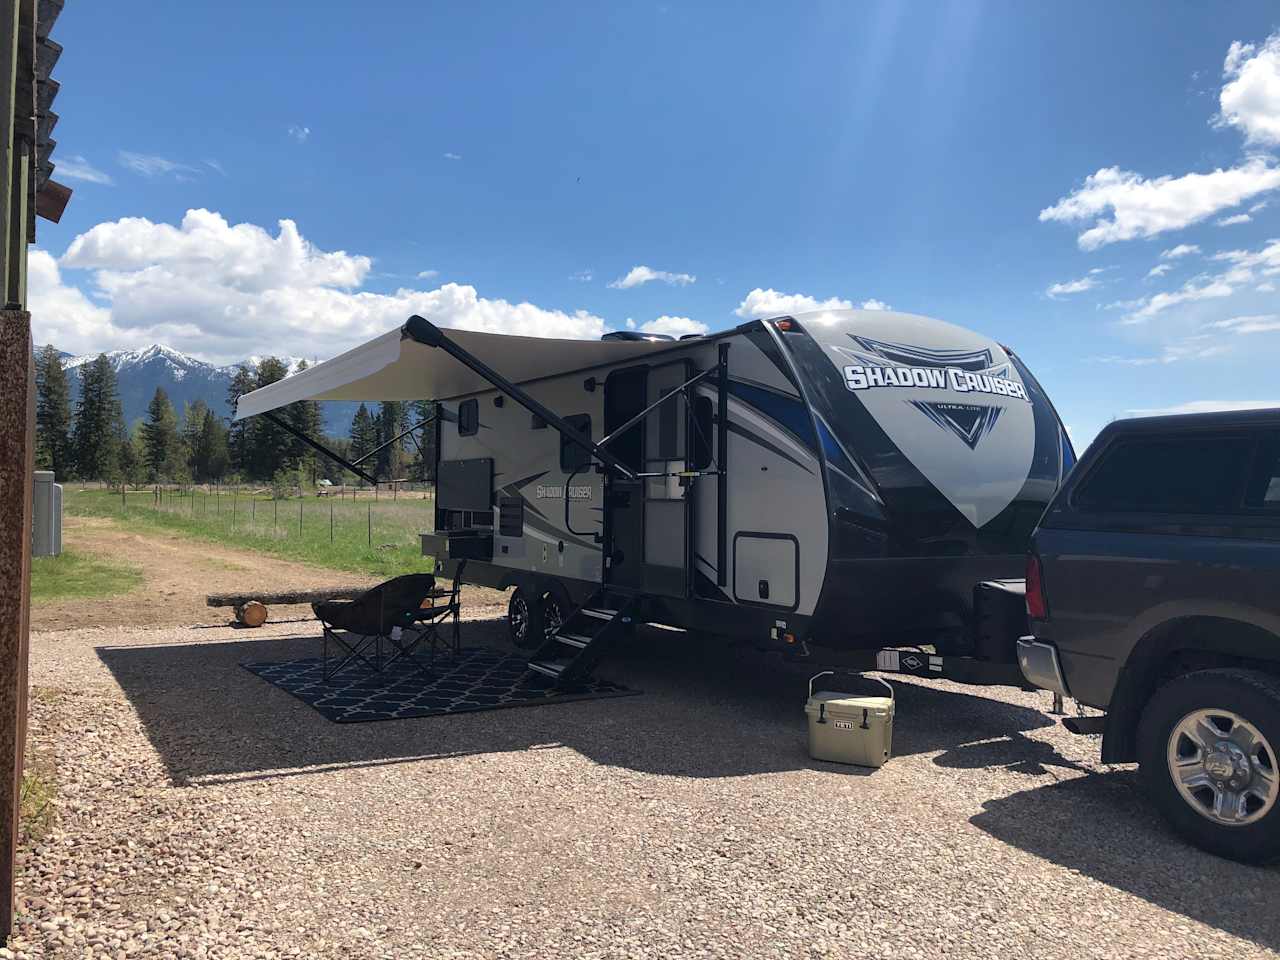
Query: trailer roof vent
[[635, 335]]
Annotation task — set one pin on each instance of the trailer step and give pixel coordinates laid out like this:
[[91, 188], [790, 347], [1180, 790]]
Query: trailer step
[[589, 633]]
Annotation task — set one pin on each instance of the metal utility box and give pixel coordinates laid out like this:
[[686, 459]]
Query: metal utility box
[[848, 728], [46, 516]]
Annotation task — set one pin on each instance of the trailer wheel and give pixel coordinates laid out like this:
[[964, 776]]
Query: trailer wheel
[[553, 613], [1207, 745], [520, 618]]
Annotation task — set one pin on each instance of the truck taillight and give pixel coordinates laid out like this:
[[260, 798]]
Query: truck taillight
[[1037, 607]]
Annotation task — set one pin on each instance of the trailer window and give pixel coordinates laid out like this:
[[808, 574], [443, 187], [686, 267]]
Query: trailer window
[[702, 433], [572, 456], [1199, 474], [468, 417]]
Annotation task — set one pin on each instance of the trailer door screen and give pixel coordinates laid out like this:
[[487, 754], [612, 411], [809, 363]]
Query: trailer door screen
[[465, 485]]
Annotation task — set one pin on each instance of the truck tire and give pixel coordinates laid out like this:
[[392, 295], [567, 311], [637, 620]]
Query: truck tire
[[1207, 747]]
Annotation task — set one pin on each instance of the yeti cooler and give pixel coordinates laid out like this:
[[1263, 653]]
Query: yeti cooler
[[845, 728]]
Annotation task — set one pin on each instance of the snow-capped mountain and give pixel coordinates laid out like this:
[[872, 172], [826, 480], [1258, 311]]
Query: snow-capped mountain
[[186, 380]]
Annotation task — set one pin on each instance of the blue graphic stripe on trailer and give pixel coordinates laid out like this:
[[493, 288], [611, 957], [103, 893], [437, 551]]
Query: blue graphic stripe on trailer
[[788, 412]]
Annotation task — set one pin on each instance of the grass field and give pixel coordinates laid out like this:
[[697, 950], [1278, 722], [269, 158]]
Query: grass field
[[375, 537], [71, 575]]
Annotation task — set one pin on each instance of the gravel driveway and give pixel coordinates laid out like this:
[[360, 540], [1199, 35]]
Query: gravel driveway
[[204, 813]]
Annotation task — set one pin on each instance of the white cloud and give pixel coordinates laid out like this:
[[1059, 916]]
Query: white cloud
[[78, 168], [1250, 100], [1245, 266], [1207, 289], [216, 166], [1145, 208], [1197, 347], [1204, 406], [1260, 323], [771, 303], [674, 326], [1260, 205], [299, 132], [1234, 219], [582, 276], [1266, 287], [1159, 270], [428, 274], [223, 292], [1071, 286], [1181, 250], [642, 274], [452, 156], [150, 165]]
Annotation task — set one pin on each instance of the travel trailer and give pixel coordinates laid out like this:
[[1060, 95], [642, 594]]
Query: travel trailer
[[830, 482]]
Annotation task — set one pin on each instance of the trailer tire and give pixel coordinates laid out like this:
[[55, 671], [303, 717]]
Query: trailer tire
[[1207, 747], [520, 618]]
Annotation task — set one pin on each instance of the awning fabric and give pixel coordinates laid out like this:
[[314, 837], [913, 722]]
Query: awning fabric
[[394, 367]]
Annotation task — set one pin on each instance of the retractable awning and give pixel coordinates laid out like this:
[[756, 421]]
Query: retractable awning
[[395, 366]]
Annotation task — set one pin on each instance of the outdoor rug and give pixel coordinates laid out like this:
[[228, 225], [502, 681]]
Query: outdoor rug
[[477, 679]]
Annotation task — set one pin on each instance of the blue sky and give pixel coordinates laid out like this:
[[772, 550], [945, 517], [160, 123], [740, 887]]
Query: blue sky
[[506, 167]]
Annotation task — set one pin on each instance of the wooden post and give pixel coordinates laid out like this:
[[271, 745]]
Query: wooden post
[[300, 503], [17, 461], [331, 519], [369, 507]]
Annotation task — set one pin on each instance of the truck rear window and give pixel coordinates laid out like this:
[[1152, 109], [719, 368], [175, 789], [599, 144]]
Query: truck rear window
[[1203, 474]]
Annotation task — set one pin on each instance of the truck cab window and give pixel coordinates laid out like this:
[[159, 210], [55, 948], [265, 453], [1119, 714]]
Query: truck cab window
[[1264, 485], [1198, 474]]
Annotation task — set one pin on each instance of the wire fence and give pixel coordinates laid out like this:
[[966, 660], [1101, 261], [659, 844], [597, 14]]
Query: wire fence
[[390, 515]]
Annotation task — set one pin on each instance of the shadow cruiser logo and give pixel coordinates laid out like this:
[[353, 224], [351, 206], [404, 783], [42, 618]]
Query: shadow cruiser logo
[[884, 365]]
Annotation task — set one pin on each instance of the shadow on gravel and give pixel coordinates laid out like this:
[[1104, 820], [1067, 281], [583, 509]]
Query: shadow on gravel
[[1102, 827], [705, 712]]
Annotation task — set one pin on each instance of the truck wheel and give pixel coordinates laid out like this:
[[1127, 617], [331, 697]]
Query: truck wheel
[[520, 618], [1207, 745]]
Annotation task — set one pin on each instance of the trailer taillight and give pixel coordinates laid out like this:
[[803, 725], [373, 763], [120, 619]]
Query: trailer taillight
[[1037, 606]]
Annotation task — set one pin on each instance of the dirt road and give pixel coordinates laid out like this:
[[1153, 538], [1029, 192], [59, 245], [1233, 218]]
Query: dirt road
[[179, 573]]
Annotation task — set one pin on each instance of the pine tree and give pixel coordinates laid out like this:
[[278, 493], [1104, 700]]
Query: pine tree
[[160, 443], [192, 424], [364, 433], [96, 436], [212, 460], [390, 423], [304, 416], [131, 461], [424, 451], [53, 415], [269, 446], [242, 382]]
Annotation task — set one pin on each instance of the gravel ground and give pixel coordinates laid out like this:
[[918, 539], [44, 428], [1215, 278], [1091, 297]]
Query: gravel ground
[[204, 813]]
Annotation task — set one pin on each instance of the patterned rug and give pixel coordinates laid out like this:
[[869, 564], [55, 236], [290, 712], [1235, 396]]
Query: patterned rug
[[477, 679]]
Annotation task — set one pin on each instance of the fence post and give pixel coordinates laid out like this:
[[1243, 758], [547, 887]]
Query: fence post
[[300, 503], [275, 515], [369, 507], [331, 519], [233, 511]]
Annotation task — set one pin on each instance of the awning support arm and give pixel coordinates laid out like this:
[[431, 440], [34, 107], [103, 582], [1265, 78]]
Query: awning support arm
[[289, 428], [399, 436], [675, 392], [425, 332]]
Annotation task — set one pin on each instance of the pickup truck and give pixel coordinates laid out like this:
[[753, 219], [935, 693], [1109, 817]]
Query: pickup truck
[[1153, 593]]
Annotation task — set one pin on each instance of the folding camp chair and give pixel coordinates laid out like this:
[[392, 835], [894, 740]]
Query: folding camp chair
[[358, 628], [444, 606]]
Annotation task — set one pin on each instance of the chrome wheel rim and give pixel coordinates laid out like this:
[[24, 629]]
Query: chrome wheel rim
[[519, 619], [1223, 767], [552, 617]]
